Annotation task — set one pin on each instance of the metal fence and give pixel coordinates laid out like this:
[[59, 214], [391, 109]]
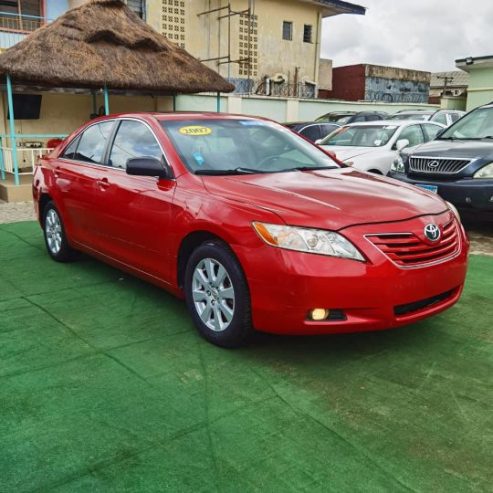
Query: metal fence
[[264, 87], [404, 97]]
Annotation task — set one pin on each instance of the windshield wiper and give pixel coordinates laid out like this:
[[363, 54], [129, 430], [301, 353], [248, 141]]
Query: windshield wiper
[[311, 168], [235, 171]]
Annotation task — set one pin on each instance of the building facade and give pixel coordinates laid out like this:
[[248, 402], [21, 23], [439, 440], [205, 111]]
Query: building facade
[[480, 70], [269, 47], [379, 83]]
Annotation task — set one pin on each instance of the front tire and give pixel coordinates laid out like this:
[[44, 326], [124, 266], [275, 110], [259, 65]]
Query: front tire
[[56, 241], [217, 295]]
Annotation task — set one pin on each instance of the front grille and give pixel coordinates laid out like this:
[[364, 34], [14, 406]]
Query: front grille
[[416, 306], [407, 249], [437, 166]]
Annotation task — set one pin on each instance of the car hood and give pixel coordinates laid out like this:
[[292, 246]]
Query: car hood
[[469, 149], [348, 152], [327, 199]]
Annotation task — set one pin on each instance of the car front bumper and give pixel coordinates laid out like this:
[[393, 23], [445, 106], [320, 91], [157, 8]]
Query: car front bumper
[[468, 193], [375, 295]]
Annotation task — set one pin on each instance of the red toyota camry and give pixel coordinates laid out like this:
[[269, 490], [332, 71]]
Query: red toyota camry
[[254, 226]]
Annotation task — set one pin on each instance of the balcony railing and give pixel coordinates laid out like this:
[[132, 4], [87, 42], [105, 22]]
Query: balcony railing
[[20, 23], [15, 27], [22, 159]]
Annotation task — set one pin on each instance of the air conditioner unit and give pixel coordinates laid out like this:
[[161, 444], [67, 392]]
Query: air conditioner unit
[[309, 82], [279, 78]]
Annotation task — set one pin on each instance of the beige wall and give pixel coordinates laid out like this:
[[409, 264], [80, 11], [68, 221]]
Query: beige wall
[[63, 113], [207, 37]]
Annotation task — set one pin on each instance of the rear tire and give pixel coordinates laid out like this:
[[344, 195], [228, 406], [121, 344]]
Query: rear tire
[[217, 295], [56, 240]]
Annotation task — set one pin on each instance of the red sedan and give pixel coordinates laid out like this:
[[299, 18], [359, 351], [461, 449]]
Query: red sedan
[[254, 226]]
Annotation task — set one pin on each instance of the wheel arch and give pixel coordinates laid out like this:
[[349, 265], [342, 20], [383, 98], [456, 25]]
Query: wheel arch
[[44, 198], [190, 242]]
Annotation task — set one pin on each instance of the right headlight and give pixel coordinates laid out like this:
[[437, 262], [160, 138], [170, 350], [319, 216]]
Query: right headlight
[[484, 172], [397, 165]]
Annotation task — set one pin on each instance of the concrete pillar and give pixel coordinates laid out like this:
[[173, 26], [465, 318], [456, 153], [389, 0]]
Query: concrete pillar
[[292, 110], [234, 104]]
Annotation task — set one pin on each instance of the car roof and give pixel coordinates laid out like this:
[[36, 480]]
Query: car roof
[[311, 123], [417, 112], [180, 115], [393, 123]]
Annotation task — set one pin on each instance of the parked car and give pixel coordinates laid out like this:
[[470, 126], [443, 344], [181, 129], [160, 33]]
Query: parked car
[[444, 117], [344, 117], [312, 130], [458, 165], [374, 146], [254, 226]]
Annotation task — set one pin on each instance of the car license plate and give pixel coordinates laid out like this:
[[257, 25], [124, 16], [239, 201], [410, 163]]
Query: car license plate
[[430, 188]]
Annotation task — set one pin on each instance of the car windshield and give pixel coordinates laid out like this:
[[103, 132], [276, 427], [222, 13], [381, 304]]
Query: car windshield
[[477, 124], [231, 146], [361, 136]]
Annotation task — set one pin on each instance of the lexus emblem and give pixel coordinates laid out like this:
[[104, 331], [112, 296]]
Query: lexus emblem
[[433, 164], [432, 232]]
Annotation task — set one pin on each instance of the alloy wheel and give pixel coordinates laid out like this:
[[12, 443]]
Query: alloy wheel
[[53, 230], [213, 294]]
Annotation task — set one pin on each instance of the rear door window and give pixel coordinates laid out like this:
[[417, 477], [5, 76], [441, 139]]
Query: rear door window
[[431, 131], [92, 143], [311, 133], [441, 118]]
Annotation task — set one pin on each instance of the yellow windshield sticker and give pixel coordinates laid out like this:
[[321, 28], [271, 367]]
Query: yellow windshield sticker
[[195, 130]]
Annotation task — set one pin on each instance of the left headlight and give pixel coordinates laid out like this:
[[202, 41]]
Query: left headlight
[[484, 172], [307, 240], [397, 165]]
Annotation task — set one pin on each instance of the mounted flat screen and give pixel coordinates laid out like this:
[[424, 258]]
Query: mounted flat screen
[[26, 106]]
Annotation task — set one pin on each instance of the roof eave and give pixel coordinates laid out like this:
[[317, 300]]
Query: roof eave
[[477, 62], [337, 7]]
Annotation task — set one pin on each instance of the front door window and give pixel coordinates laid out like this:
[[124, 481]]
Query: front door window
[[133, 139]]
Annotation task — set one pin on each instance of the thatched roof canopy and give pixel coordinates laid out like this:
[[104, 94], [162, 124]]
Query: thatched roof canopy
[[104, 42]]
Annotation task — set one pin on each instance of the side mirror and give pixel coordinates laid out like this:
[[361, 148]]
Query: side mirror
[[401, 144], [146, 166]]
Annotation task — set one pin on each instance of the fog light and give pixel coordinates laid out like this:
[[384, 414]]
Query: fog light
[[318, 314]]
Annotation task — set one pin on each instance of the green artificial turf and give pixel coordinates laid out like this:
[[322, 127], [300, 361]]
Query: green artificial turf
[[105, 386]]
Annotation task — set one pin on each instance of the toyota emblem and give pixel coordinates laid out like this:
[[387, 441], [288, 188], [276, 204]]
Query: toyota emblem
[[432, 232], [433, 164]]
